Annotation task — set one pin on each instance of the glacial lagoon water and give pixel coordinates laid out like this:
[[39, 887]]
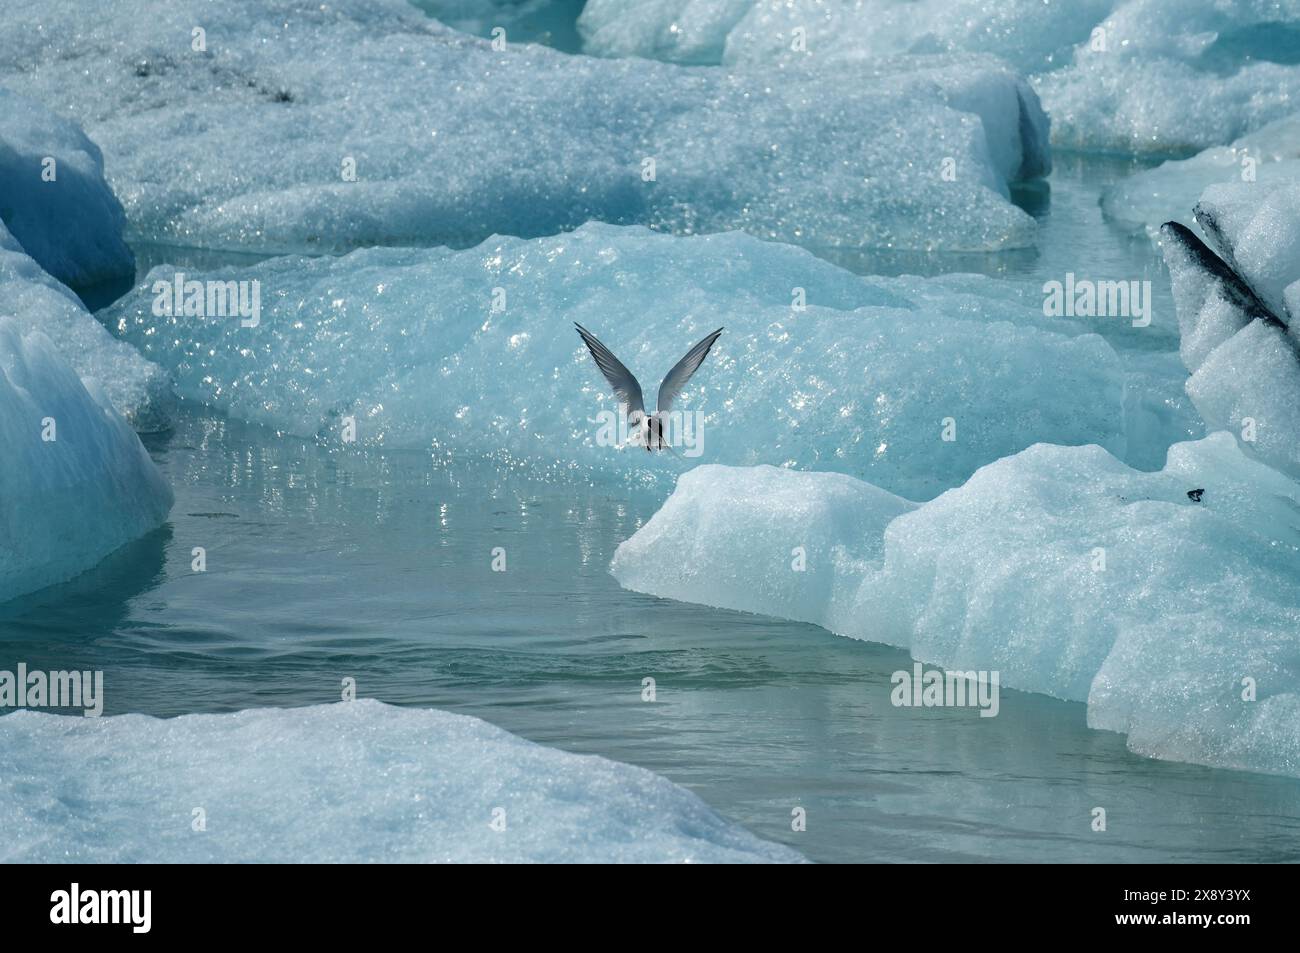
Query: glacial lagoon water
[[325, 564]]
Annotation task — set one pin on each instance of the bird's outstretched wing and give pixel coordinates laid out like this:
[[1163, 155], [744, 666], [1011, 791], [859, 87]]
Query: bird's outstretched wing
[[682, 371], [625, 386]]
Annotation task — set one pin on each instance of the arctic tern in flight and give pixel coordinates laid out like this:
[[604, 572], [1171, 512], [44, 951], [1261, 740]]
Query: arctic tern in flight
[[628, 391]]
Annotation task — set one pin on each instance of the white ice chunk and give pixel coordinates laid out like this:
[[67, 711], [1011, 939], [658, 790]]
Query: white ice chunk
[[75, 483], [1250, 385], [1164, 76], [1161, 107], [1245, 365], [1212, 678], [53, 196], [390, 784], [677, 31], [1209, 306], [1267, 158], [805, 534], [474, 353], [1115, 75], [300, 128], [1260, 234], [1060, 568], [139, 389]]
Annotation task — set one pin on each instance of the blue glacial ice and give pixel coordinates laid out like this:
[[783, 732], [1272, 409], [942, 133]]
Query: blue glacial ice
[[77, 483], [34, 301], [1125, 75], [53, 197], [124, 789], [1060, 567], [1245, 367], [365, 122], [407, 343], [60, 224]]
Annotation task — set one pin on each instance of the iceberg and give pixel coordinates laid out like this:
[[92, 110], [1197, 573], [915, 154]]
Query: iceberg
[[1145, 76], [75, 482], [53, 197], [348, 782], [909, 383], [35, 302], [281, 127], [1173, 614], [1238, 309]]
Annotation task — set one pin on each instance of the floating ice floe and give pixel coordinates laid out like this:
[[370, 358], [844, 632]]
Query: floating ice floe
[[286, 127], [33, 301], [388, 784], [907, 382], [1122, 75], [75, 482], [1268, 157], [53, 197], [1238, 307], [1173, 613]]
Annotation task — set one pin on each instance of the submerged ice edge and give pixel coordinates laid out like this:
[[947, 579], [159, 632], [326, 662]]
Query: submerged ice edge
[[1167, 601], [455, 789]]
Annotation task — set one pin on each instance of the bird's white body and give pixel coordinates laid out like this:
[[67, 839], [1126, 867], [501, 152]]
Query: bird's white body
[[650, 432], [650, 429]]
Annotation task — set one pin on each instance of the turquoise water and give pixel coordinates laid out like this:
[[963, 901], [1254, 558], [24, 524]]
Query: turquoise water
[[324, 564]]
